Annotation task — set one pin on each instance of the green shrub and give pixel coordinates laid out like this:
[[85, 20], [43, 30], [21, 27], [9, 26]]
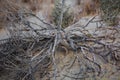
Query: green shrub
[[67, 15]]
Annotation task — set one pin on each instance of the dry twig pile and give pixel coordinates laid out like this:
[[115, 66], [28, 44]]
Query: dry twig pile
[[29, 51]]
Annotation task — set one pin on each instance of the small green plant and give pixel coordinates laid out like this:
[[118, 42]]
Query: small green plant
[[110, 11], [67, 15]]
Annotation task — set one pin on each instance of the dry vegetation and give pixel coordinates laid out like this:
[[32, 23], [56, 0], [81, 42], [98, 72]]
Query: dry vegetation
[[53, 52], [111, 13], [90, 7]]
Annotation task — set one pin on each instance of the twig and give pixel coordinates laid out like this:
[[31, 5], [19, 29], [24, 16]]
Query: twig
[[89, 21], [61, 16]]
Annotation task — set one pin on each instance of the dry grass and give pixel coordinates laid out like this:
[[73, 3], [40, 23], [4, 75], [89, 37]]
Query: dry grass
[[90, 7], [36, 5], [7, 8], [12, 7], [85, 8], [33, 5]]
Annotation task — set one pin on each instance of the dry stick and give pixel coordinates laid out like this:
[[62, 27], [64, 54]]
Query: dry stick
[[72, 63], [75, 25], [82, 49], [34, 57], [52, 26], [76, 78], [79, 29], [57, 41], [34, 68], [30, 64], [89, 21], [53, 56], [61, 16], [37, 24], [28, 25]]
